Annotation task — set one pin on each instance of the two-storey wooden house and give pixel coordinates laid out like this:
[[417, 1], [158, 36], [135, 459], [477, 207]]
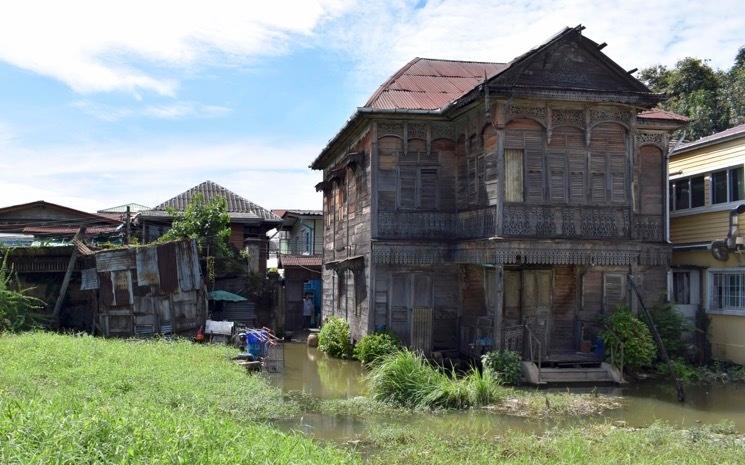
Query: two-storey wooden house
[[477, 205]]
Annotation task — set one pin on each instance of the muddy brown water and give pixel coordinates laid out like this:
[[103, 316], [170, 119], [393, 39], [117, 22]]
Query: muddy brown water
[[310, 371]]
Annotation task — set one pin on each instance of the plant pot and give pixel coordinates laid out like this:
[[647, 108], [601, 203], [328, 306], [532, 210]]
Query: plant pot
[[585, 346]]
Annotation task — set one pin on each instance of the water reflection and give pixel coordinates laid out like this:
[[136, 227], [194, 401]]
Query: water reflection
[[315, 374]]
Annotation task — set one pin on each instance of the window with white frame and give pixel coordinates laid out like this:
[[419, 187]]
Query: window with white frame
[[687, 193], [727, 185], [682, 287], [727, 290]]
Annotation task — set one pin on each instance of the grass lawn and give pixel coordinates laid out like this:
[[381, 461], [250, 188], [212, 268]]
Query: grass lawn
[[83, 400]]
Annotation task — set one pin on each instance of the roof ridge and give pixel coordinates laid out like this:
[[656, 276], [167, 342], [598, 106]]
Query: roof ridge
[[465, 61]]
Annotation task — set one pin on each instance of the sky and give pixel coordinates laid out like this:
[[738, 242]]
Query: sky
[[104, 103]]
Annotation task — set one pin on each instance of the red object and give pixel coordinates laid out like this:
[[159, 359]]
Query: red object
[[200, 334]]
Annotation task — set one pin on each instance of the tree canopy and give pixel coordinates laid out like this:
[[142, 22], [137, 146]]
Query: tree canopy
[[206, 222], [714, 100]]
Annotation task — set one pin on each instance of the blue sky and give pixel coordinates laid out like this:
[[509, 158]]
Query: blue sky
[[104, 103]]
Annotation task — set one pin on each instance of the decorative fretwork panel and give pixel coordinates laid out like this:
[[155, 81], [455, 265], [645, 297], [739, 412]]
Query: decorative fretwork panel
[[648, 228], [566, 222], [470, 224]]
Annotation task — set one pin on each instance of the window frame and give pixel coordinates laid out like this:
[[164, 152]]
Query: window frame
[[724, 309], [688, 180]]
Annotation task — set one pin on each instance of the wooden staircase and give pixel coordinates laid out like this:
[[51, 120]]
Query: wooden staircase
[[565, 373]]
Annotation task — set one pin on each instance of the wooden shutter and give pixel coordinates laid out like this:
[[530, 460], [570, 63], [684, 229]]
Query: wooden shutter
[[597, 179], [650, 182], [557, 177], [428, 188], [407, 186], [535, 178], [400, 301], [513, 166], [577, 177], [614, 290], [617, 164], [472, 168]]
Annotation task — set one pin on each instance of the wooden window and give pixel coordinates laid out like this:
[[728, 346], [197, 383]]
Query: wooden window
[[577, 177], [428, 188], [407, 175], [535, 177], [557, 178], [513, 167], [614, 290], [472, 179], [597, 179]]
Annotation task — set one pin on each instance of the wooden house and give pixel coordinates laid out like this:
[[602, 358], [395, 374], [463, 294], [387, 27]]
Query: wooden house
[[300, 257], [249, 222], [471, 205], [708, 273]]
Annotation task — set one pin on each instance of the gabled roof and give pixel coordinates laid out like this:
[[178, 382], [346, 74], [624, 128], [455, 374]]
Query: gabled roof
[[283, 213], [431, 84], [73, 213], [434, 86], [286, 260], [238, 207], [735, 132]]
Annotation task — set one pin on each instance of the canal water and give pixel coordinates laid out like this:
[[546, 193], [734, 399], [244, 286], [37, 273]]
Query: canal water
[[312, 372]]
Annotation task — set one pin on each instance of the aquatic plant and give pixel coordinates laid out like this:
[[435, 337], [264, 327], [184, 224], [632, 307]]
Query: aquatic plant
[[407, 379], [373, 346], [334, 338], [504, 365], [626, 333]]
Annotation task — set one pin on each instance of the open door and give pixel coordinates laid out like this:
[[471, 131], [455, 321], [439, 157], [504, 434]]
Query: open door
[[536, 304]]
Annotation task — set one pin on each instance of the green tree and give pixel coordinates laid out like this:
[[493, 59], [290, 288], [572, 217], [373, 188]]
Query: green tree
[[735, 89], [206, 222], [694, 89]]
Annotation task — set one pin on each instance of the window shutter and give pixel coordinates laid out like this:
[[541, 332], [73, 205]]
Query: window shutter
[[557, 177], [577, 177], [597, 179], [513, 164], [472, 181], [535, 159], [614, 290], [407, 186], [428, 188], [618, 177]]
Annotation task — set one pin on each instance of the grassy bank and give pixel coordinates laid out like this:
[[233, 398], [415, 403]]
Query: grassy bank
[[588, 445], [73, 400]]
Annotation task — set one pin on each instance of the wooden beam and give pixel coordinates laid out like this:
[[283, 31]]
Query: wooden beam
[[66, 280]]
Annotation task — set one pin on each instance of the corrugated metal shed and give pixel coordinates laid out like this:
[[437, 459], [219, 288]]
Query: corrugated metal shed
[[147, 266], [114, 260], [187, 263]]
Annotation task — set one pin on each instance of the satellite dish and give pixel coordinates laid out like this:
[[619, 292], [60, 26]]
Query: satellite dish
[[719, 250]]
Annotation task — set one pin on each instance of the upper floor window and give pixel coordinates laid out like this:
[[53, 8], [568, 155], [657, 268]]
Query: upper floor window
[[727, 186], [687, 193], [513, 167], [418, 181]]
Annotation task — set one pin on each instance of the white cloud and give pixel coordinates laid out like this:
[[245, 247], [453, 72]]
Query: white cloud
[[95, 45], [174, 110], [272, 174], [639, 33]]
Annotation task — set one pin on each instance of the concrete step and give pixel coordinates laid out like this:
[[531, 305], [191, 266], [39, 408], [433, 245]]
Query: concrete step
[[603, 374]]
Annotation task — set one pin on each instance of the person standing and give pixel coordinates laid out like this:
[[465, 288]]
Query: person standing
[[308, 308]]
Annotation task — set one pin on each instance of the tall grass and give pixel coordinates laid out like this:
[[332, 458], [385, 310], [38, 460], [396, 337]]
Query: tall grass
[[84, 400], [407, 379]]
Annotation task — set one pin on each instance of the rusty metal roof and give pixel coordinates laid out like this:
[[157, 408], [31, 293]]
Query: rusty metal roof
[[431, 84], [69, 230], [238, 207]]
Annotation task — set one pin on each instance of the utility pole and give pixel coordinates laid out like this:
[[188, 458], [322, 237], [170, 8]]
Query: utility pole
[[127, 221]]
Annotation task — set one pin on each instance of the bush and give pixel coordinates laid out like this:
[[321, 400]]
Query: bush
[[504, 365], [671, 325], [334, 338], [18, 311], [375, 345], [623, 328], [407, 379]]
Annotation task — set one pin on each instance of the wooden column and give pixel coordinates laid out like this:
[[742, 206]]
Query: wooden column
[[498, 306]]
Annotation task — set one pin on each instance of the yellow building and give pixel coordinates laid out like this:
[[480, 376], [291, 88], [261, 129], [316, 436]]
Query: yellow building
[[706, 188]]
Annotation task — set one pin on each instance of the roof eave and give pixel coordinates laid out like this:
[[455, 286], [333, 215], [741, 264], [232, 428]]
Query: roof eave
[[694, 146]]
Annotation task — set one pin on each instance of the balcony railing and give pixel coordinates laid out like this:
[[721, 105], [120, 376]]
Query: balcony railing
[[552, 221], [469, 224]]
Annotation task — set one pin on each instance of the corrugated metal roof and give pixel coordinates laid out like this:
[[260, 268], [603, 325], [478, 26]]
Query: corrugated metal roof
[[133, 208], [736, 131], [238, 207], [114, 260], [430, 84], [69, 230]]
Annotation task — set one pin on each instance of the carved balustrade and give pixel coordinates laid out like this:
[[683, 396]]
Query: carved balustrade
[[469, 224], [566, 222]]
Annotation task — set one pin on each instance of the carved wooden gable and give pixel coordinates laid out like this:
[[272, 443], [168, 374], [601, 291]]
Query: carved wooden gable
[[570, 62]]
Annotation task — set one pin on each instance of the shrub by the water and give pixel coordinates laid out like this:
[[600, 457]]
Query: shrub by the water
[[407, 379], [624, 329], [671, 326], [504, 365], [373, 346], [334, 338]]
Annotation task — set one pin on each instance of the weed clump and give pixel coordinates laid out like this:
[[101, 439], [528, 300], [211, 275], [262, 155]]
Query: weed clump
[[627, 334], [334, 338], [407, 379], [374, 346], [504, 365]]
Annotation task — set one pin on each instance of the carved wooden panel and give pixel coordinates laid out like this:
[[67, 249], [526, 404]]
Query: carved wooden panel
[[565, 222]]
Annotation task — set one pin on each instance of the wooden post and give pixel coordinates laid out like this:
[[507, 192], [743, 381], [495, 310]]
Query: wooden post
[[66, 280], [127, 222]]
